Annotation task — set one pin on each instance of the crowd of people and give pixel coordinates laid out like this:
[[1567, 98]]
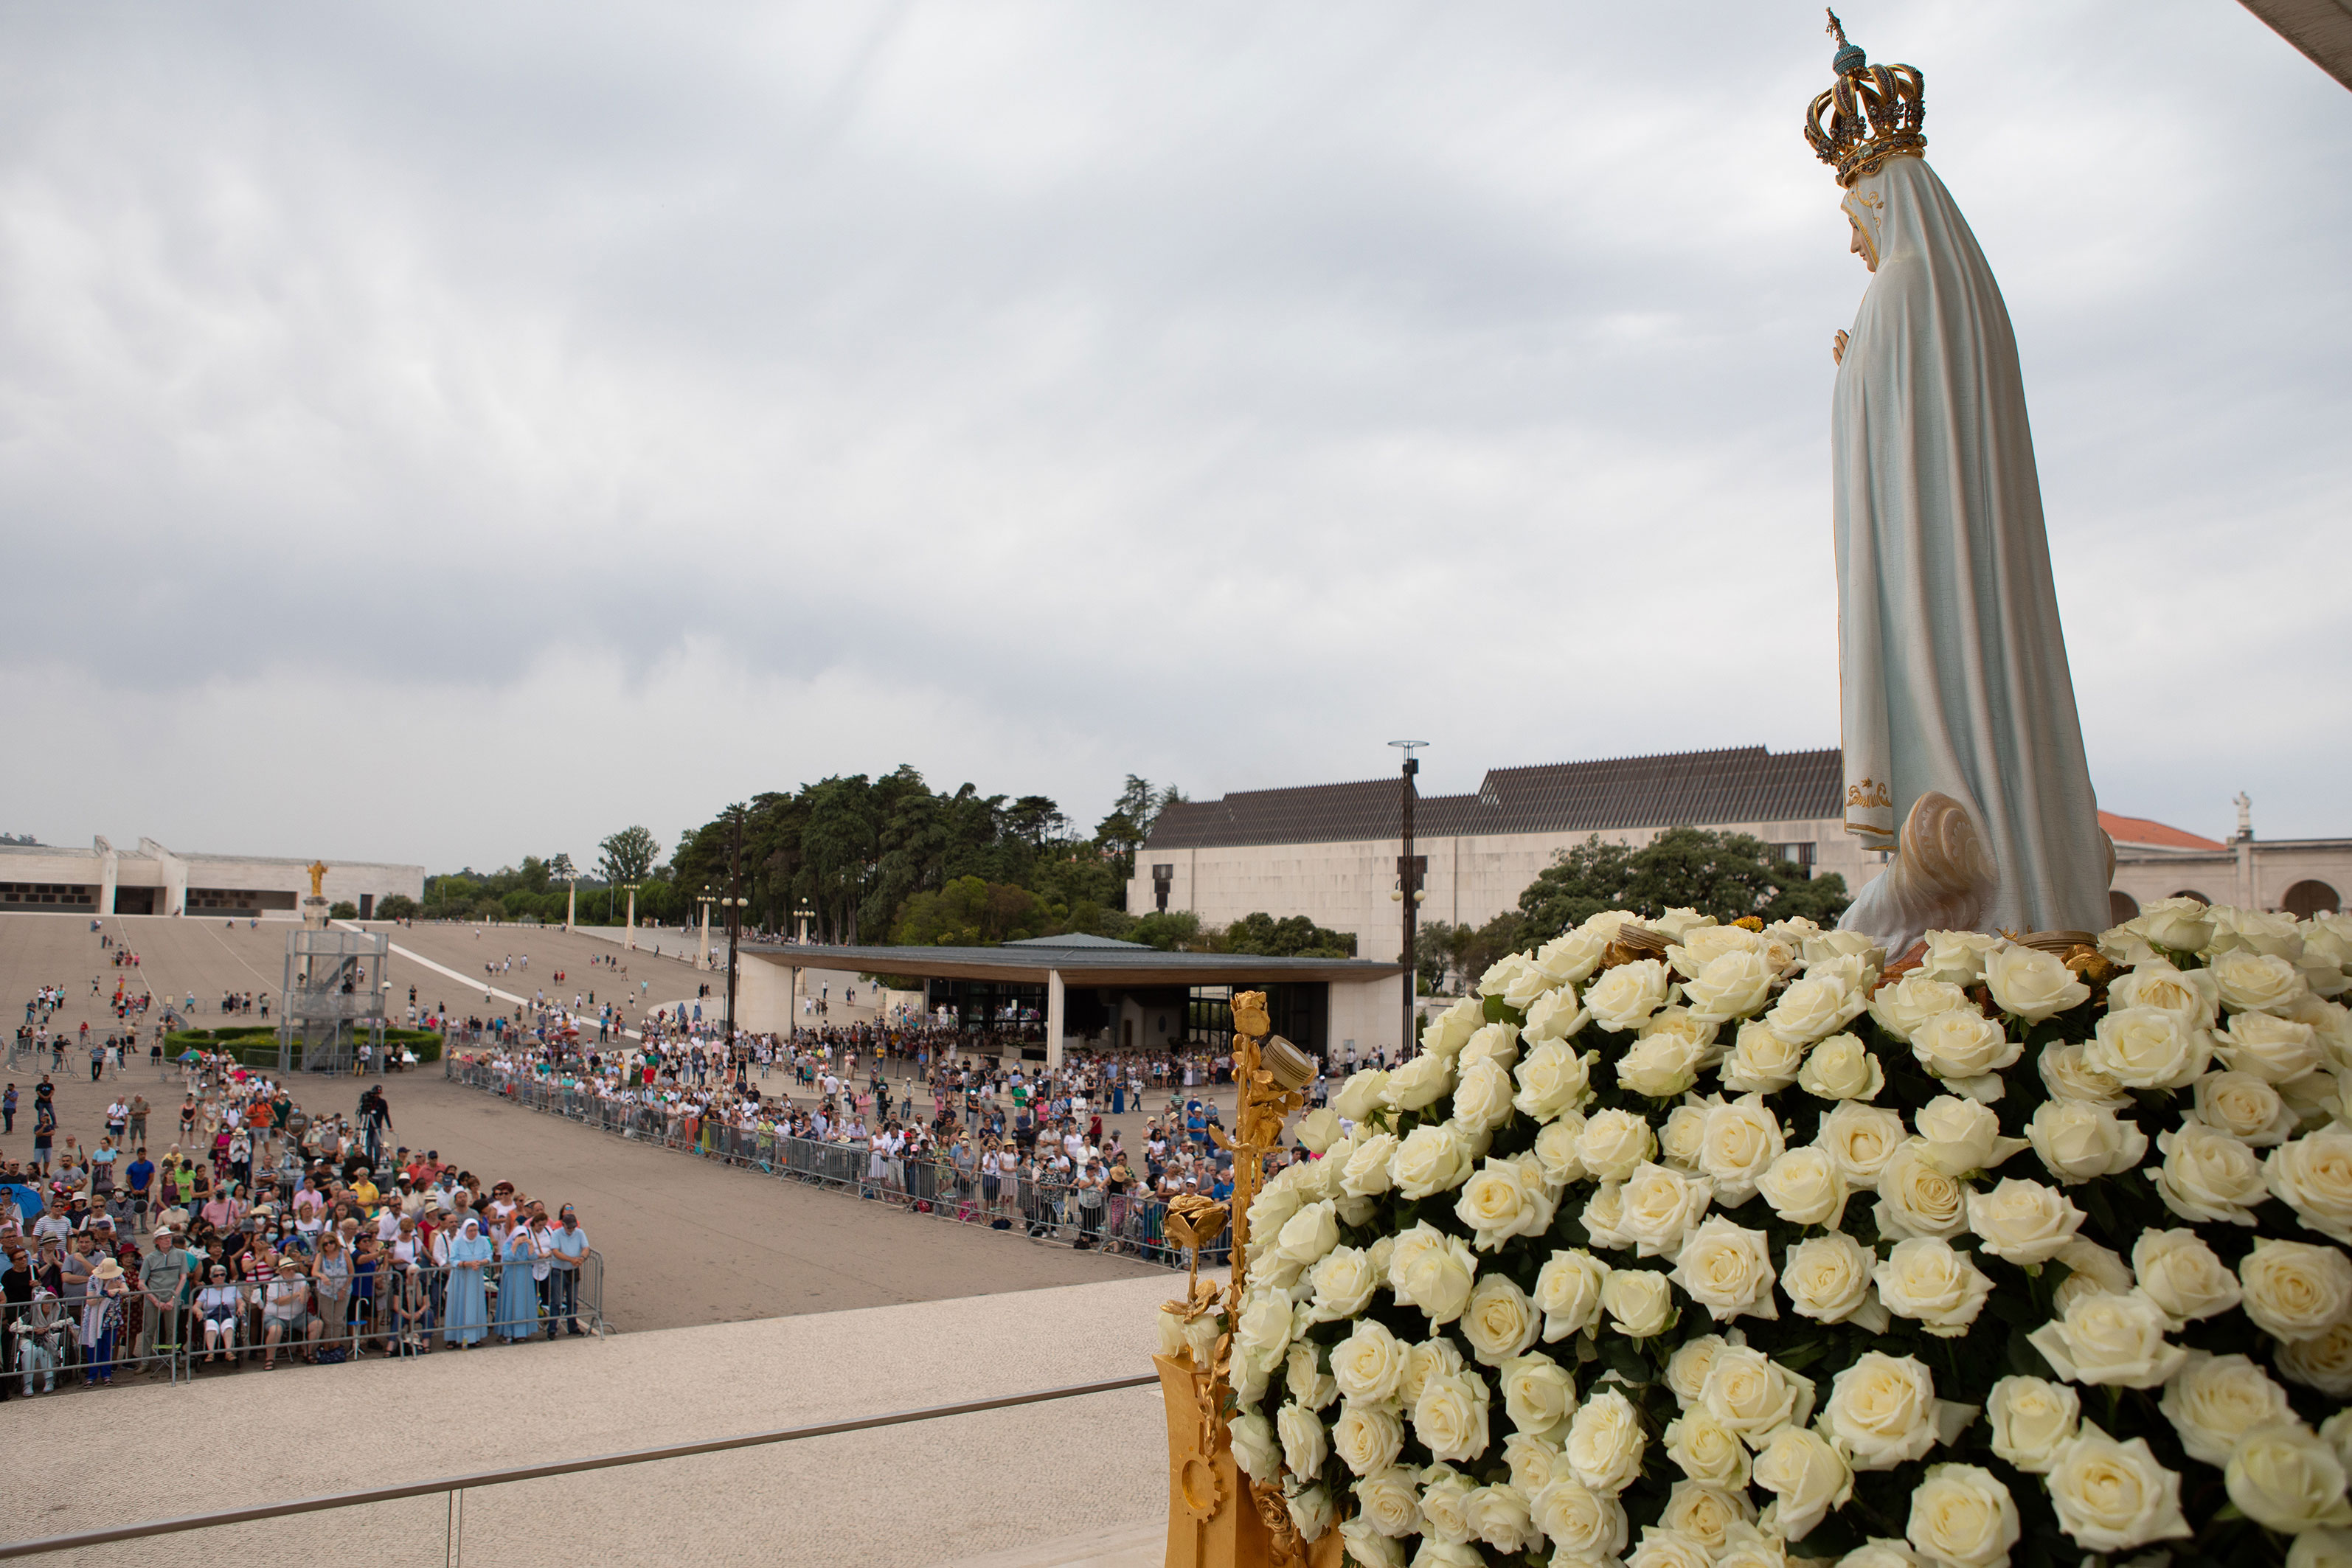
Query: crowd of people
[[264, 1233]]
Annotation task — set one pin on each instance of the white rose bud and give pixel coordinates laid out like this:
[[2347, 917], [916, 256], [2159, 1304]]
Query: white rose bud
[[1553, 1078], [2207, 1175], [1661, 1065], [2313, 1176], [1305, 1445], [1678, 1138], [1961, 1516], [2213, 1400], [1444, 1491], [1956, 956], [2295, 1289], [1254, 1447], [2023, 1222], [1841, 1068], [1317, 1130], [1499, 1322], [1808, 1476], [1369, 1364], [1366, 1174], [1861, 1139], [1605, 1444], [1558, 1151], [1303, 1375], [1497, 1043], [1431, 1270], [1818, 1006], [1366, 1547], [1927, 1279], [2096, 1272], [2077, 1140], [1657, 1207], [2032, 1418], [2113, 1497], [1639, 1303], [1602, 1212], [1570, 958], [2286, 1478], [1308, 1235], [1881, 1411], [1726, 1269], [1361, 1094], [1624, 998], [1513, 969], [1568, 1291], [2110, 1340], [1957, 1136], [1964, 1044], [1367, 1437], [1538, 1393], [1263, 1331], [2147, 1047], [1481, 1096], [1706, 1450], [2183, 1276], [2032, 984], [1429, 1358], [1738, 1144], [1687, 1369], [1827, 1278], [1533, 1461], [1446, 1034], [1419, 1083], [1554, 1018], [1804, 1186], [1450, 1417]]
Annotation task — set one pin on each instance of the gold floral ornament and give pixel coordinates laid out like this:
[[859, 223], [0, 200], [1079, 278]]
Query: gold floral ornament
[[1194, 1221]]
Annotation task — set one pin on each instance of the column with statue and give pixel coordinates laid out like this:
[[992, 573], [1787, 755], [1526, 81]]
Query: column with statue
[[314, 908]]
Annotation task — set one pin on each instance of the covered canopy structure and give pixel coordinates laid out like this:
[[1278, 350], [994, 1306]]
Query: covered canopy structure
[[1123, 995]]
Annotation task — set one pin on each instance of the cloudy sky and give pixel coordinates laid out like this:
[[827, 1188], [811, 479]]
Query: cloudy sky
[[434, 434]]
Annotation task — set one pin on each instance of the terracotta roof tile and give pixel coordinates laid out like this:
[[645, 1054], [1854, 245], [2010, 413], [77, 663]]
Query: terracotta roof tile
[[2156, 834]]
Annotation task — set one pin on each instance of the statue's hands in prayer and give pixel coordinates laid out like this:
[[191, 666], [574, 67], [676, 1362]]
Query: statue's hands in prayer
[[1837, 348]]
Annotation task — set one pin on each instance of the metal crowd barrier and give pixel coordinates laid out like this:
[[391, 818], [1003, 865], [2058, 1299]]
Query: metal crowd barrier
[[1043, 1211]]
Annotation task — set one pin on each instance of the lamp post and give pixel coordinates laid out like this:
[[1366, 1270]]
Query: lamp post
[[629, 943], [1407, 892], [733, 903], [805, 914]]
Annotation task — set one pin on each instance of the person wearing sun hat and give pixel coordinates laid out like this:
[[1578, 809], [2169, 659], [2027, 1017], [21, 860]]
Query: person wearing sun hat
[[101, 1321]]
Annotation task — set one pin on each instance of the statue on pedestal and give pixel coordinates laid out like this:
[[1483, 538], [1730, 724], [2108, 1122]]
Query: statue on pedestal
[[1963, 749]]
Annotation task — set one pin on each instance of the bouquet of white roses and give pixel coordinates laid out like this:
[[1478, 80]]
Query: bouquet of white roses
[[1697, 1246]]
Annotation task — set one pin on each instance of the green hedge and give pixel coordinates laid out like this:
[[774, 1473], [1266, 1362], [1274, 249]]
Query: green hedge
[[257, 1045]]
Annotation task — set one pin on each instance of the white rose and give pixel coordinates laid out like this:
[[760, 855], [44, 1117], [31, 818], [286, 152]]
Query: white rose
[[1497, 1043], [1305, 1445], [1664, 1547], [1917, 1199], [1567, 1292], [1804, 1186], [2096, 1271], [2111, 1496], [1602, 1212], [1881, 1411], [1754, 1395], [1450, 1417], [2180, 925], [2145, 1048], [1761, 1062], [1661, 1065], [2213, 1400], [1534, 1460], [1270, 1211], [2109, 1338], [1263, 1331], [1640, 1304], [1366, 1174], [1366, 1546], [2276, 1050], [1499, 1516], [2032, 1418], [1841, 1068], [1429, 1358], [1704, 944], [1961, 1516], [2313, 1176], [1369, 1364], [1817, 1005], [1957, 1136], [1570, 958], [1317, 1130], [2287, 1479], [1605, 1443], [2207, 1175], [2183, 1276], [2032, 984], [1308, 1235], [1444, 1493], [2257, 983], [1614, 1142], [2078, 1140], [1499, 1320], [1511, 969], [1726, 1269], [1705, 1514], [1552, 1078], [2023, 1222], [2066, 1073], [1554, 1018], [1583, 1525], [1361, 1094], [2336, 1431], [1732, 985], [1558, 1150], [1254, 1447], [1706, 1450], [2295, 1289], [1808, 1476], [1738, 1144], [1657, 1207], [1304, 1376], [2321, 1549], [2192, 996], [1827, 1278], [1310, 1510], [1433, 1271], [1538, 1393], [1505, 1199], [1625, 996], [1964, 1044], [1419, 1083], [1367, 1437], [1679, 923], [1432, 1158], [1446, 1034], [1481, 1096], [1344, 1282], [2245, 1106], [1687, 1369], [1927, 1279], [1956, 956], [1678, 1136], [1877, 1553], [1861, 1139], [1908, 1003], [2324, 1361]]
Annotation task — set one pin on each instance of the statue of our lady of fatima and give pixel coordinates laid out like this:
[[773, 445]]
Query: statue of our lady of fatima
[[1963, 752]]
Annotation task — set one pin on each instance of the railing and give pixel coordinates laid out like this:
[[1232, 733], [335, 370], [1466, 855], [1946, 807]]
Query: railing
[[455, 1486], [1040, 1210]]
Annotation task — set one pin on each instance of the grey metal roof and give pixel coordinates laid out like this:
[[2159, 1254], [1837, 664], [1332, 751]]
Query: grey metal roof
[[1697, 789], [1079, 939], [1124, 964]]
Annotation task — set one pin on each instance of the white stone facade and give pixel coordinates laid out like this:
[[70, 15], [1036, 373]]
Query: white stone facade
[[37, 879]]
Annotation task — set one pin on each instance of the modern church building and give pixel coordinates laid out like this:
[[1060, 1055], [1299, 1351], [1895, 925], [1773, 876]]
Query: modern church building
[[44, 878]]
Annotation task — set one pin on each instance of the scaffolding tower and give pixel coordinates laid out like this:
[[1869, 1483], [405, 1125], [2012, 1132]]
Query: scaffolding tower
[[335, 998]]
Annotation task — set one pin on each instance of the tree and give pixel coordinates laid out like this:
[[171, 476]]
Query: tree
[[343, 910], [1129, 823], [1296, 937], [395, 906], [629, 856], [1727, 875], [1178, 930]]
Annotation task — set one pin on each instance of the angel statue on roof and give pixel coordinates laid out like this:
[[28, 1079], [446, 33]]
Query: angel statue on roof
[[1963, 749]]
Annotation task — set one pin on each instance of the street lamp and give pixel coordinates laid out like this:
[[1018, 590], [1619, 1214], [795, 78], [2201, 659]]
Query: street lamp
[[1408, 892], [702, 950], [805, 913], [629, 943]]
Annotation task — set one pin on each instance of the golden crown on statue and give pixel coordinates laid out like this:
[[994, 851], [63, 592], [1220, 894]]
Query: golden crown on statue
[[1871, 114]]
